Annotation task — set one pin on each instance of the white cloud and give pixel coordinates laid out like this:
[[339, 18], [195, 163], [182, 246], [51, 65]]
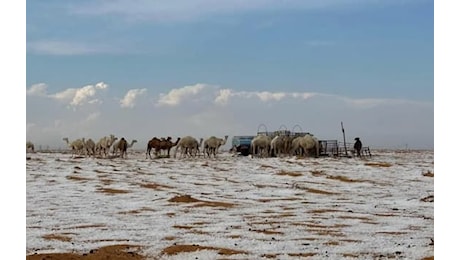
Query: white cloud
[[37, 90], [304, 95], [101, 85], [52, 47], [268, 96], [204, 110], [223, 96], [65, 96], [130, 98], [184, 11], [176, 96], [82, 95], [73, 96], [365, 103]]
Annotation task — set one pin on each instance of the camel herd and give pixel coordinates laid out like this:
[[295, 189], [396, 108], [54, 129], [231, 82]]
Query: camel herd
[[279, 145], [101, 148], [188, 146]]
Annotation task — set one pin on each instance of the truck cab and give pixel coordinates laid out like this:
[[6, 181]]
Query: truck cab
[[242, 144]]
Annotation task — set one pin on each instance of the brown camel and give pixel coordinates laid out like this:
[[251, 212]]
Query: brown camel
[[116, 147], [168, 144], [159, 145], [153, 143], [122, 145], [163, 145]]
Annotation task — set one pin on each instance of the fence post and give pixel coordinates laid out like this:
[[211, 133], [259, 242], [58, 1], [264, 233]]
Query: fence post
[[344, 141]]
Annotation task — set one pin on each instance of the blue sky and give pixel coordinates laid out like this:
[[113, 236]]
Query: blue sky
[[155, 68]]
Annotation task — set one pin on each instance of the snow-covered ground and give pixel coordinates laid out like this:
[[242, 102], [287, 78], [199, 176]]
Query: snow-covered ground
[[239, 207]]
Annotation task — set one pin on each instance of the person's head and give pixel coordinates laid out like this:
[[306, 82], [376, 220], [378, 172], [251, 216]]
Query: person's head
[[357, 138]]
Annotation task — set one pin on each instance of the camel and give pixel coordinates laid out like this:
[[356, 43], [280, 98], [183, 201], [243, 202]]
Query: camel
[[188, 145], [122, 145], [116, 146], [195, 149], [90, 147], [76, 146], [261, 145], [282, 145], [273, 146], [308, 143], [169, 144], [212, 144], [287, 144], [159, 145], [104, 144], [153, 143], [163, 145], [30, 147], [295, 146]]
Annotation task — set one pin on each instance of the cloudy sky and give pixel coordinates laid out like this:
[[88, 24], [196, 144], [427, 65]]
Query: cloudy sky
[[141, 69]]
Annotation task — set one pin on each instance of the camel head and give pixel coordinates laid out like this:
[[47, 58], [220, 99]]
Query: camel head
[[113, 138], [223, 141], [177, 141]]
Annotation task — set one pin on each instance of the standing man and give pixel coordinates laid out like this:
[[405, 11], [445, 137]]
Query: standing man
[[358, 145]]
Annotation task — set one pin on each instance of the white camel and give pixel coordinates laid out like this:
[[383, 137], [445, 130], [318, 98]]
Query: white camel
[[295, 146], [77, 146], [280, 145], [275, 145], [308, 143], [261, 146], [104, 144], [188, 145], [196, 148], [212, 145]]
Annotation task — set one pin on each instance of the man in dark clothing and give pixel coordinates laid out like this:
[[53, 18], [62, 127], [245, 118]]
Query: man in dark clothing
[[358, 145]]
